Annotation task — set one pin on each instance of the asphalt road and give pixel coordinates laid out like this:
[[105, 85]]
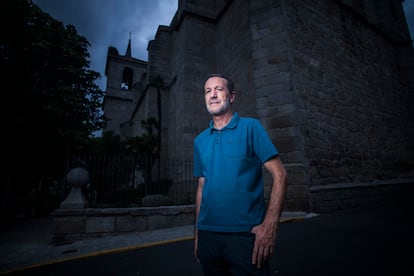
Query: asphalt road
[[372, 240]]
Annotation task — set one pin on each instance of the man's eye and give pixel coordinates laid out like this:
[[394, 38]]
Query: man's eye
[[207, 91], [220, 88]]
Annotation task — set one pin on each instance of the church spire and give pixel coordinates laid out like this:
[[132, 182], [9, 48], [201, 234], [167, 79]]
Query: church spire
[[128, 51]]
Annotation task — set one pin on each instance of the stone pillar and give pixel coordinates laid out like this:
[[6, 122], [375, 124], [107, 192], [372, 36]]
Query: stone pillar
[[70, 219]]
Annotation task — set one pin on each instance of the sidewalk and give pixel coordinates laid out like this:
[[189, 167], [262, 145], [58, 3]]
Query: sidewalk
[[28, 244]]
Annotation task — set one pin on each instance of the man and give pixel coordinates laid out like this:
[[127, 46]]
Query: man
[[234, 233]]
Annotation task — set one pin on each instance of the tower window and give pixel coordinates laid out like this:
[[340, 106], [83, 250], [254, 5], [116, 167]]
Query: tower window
[[127, 78]]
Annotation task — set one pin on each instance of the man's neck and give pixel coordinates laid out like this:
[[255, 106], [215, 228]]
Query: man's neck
[[221, 121]]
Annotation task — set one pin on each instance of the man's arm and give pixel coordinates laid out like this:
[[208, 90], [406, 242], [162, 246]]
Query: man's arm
[[197, 211], [267, 231]]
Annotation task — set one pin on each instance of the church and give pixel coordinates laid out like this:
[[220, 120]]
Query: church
[[331, 81]]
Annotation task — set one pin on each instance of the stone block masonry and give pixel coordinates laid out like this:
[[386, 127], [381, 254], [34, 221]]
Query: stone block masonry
[[331, 198], [70, 224]]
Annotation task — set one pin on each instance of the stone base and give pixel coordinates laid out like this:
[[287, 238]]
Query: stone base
[[70, 224], [330, 198]]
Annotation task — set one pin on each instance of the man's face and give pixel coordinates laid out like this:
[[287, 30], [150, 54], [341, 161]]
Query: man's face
[[217, 96]]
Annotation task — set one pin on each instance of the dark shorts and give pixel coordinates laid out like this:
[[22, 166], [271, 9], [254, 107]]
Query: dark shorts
[[228, 254]]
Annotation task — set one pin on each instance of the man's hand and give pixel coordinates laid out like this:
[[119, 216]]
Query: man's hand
[[264, 243]]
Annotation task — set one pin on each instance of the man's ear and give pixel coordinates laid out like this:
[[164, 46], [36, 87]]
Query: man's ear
[[232, 96]]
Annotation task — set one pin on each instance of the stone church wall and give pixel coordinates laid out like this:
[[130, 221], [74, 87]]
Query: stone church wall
[[353, 102], [331, 88], [233, 55], [193, 59], [274, 92], [354, 107]]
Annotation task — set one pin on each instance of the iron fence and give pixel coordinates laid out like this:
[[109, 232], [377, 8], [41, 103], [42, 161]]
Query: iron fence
[[132, 181]]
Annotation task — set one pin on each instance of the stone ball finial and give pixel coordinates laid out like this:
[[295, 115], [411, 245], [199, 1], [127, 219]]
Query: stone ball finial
[[78, 177]]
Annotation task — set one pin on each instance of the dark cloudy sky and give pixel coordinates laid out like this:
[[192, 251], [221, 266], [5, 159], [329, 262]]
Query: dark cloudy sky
[[408, 6], [107, 23]]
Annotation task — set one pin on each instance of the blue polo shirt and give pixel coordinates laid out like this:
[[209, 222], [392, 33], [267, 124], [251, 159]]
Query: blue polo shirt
[[231, 161]]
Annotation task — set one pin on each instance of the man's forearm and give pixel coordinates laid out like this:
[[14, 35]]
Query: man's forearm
[[266, 232], [278, 192], [199, 194]]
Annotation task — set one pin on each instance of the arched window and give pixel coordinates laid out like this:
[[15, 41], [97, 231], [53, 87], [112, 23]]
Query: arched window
[[127, 78]]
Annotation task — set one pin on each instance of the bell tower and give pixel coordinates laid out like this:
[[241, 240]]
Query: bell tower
[[125, 76]]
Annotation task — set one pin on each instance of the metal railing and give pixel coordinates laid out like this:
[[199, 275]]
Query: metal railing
[[132, 181]]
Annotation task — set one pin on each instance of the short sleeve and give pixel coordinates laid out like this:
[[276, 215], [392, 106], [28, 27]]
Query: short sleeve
[[263, 146], [197, 167]]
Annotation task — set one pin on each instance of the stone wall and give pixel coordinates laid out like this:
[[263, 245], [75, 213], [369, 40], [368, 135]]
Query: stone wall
[[331, 81], [331, 198], [233, 47], [354, 106], [193, 58], [78, 223], [274, 88]]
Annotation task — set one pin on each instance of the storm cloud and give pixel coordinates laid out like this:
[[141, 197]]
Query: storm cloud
[[107, 23]]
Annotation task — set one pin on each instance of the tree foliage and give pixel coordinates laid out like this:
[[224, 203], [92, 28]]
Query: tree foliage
[[51, 104], [145, 146]]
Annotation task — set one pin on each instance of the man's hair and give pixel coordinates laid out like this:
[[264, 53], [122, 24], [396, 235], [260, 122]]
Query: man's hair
[[230, 84]]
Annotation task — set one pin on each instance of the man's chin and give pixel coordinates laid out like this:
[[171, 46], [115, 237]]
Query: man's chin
[[216, 112]]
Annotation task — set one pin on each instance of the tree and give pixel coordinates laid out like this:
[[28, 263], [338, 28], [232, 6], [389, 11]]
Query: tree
[[51, 104]]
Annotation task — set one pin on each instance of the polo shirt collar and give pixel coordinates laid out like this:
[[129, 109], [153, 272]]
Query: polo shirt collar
[[232, 124]]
